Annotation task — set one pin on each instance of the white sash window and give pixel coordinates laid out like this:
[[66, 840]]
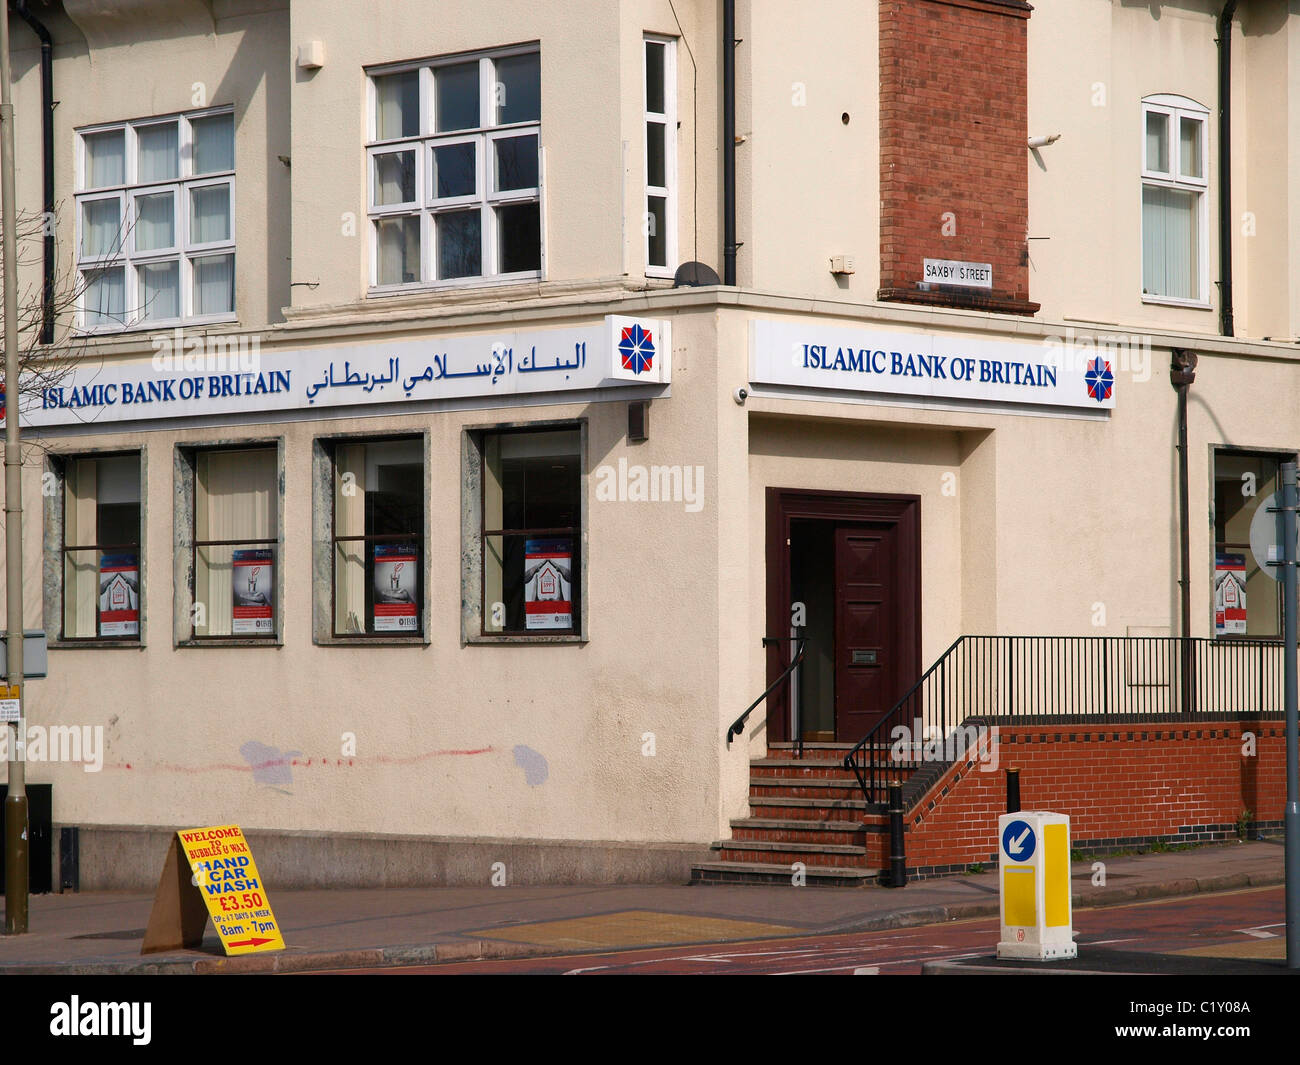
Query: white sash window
[[155, 222], [1175, 158], [454, 163]]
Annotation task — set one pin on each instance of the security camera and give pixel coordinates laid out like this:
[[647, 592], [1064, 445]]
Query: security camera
[[740, 395]]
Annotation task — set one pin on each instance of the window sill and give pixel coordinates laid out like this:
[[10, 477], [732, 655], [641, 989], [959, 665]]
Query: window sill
[[232, 641], [1171, 301], [460, 284], [372, 641], [154, 327], [69, 645], [571, 637]]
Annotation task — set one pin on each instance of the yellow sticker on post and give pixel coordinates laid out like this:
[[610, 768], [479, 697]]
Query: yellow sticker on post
[[11, 707], [226, 875]]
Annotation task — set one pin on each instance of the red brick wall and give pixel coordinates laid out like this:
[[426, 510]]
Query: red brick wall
[[1136, 784], [953, 126]]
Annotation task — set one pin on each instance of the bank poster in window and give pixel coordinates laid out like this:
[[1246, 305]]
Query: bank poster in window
[[1229, 594], [395, 587], [254, 585], [548, 584], [119, 595]]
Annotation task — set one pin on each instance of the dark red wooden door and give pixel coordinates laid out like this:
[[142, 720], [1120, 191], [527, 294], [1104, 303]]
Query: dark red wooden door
[[867, 627], [877, 602]]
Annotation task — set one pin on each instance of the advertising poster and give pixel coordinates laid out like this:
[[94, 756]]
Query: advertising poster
[[1229, 594], [395, 587], [119, 595], [253, 585], [548, 584], [223, 872]]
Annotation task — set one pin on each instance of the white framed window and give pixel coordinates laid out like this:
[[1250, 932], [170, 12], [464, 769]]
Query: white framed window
[[102, 534], [523, 564], [454, 170], [377, 536], [155, 234], [1175, 208], [234, 542], [660, 220]]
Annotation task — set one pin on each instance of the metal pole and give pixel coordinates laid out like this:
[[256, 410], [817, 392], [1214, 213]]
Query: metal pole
[[729, 142], [897, 852], [1292, 817], [16, 841], [1013, 790], [1182, 375]]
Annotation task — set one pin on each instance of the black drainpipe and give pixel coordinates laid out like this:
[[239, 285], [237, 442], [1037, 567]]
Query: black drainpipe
[[1182, 372], [47, 164], [1224, 42], [729, 142]]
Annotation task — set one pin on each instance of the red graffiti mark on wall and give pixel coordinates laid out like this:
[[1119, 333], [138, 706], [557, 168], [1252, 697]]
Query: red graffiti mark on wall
[[223, 767]]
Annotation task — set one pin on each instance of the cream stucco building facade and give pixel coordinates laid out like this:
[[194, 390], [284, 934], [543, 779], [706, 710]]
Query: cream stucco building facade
[[409, 208]]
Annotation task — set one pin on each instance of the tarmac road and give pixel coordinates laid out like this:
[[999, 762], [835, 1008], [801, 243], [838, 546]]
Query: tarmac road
[[1239, 924]]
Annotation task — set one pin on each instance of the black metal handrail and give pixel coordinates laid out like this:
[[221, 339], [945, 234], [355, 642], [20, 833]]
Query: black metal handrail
[[981, 682], [854, 760], [738, 726]]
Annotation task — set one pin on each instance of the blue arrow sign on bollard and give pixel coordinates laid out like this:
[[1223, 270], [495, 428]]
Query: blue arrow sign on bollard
[[1018, 841]]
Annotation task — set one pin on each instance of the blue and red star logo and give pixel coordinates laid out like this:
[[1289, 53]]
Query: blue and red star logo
[[1099, 379], [637, 348]]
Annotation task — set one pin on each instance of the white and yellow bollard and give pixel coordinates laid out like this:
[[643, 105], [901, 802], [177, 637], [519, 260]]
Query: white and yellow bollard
[[1034, 847]]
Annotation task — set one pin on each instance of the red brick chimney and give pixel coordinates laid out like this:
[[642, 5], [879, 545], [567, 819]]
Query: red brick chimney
[[954, 166]]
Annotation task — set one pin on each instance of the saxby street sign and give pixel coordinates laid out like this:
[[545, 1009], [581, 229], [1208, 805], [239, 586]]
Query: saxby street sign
[[210, 873]]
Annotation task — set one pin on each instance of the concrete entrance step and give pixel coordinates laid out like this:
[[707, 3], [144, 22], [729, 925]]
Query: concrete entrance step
[[763, 873], [796, 831]]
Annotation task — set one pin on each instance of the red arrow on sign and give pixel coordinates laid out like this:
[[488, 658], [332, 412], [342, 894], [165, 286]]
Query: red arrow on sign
[[254, 942]]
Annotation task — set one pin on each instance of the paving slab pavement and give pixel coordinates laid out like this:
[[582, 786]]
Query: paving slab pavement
[[101, 932]]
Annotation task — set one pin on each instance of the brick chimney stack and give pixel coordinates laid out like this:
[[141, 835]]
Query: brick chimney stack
[[954, 164]]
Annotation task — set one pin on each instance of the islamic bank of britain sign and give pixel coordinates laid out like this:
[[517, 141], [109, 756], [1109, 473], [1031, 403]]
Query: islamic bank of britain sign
[[187, 378], [887, 364]]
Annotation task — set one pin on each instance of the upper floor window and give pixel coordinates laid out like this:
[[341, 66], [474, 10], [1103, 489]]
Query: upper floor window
[[454, 170], [1175, 172], [155, 221], [660, 157]]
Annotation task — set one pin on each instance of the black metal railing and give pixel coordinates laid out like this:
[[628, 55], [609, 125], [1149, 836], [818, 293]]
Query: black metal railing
[[738, 726], [982, 682]]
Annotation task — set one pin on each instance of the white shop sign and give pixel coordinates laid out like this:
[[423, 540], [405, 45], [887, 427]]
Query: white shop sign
[[957, 273], [812, 356], [188, 378]]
